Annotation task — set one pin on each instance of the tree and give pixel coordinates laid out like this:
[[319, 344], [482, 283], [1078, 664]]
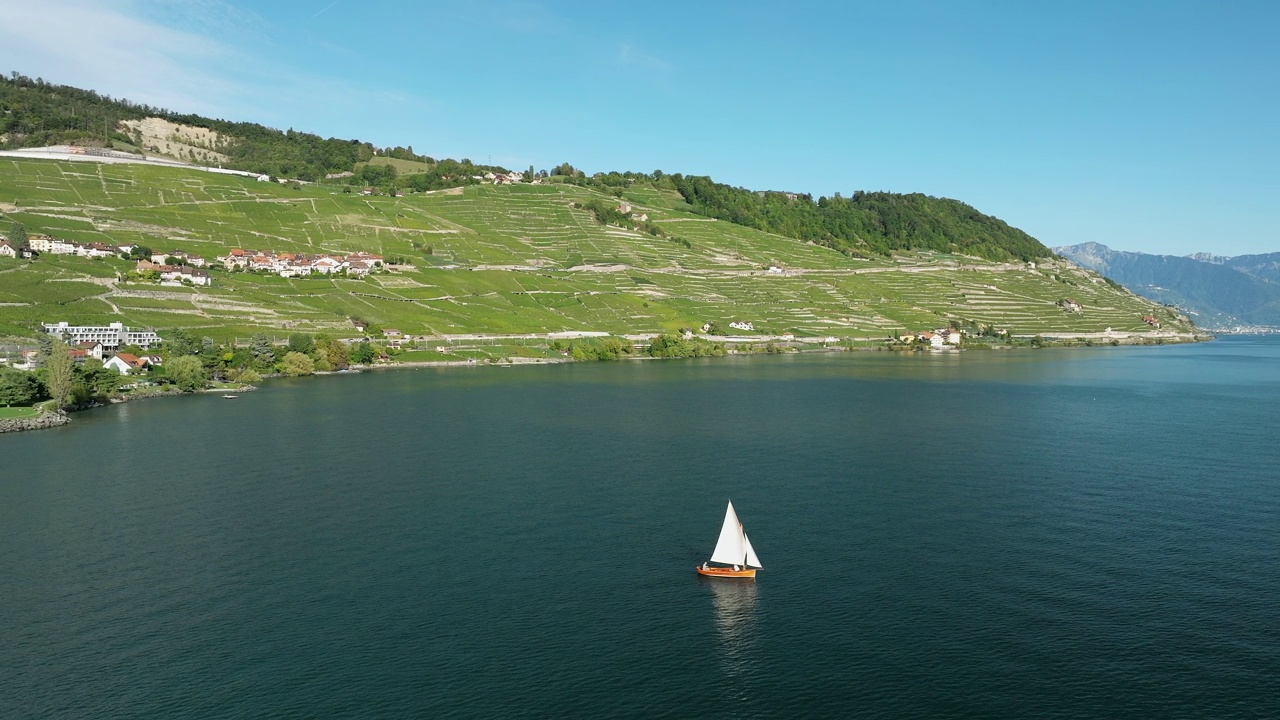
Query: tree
[[18, 235], [295, 364], [187, 372], [181, 342], [19, 388], [260, 348], [362, 353], [332, 353], [60, 373], [301, 343]]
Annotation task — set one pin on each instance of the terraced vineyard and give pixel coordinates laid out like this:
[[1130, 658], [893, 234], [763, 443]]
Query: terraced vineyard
[[509, 260]]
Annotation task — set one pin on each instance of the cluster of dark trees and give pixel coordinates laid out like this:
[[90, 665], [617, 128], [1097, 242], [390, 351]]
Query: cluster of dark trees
[[868, 223]]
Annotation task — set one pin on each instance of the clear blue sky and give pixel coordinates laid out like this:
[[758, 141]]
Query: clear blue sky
[[1145, 126]]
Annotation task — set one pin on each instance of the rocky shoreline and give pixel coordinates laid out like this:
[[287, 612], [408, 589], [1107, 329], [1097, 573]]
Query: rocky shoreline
[[40, 422]]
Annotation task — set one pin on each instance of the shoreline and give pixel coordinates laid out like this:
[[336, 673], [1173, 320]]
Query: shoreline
[[51, 419]]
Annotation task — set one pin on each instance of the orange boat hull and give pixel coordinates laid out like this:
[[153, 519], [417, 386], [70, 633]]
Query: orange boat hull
[[726, 572]]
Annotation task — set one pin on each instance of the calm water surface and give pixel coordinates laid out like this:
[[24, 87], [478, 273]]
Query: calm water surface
[[1061, 533]]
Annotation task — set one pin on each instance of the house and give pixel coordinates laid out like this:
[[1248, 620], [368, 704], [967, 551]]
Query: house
[[359, 324], [624, 207], [1151, 320], [91, 349], [744, 325], [326, 265], [182, 273], [1069, 305], [40, 243], [125, 363], [952, 336], [640, 217], [97, 250], [391, 333], [7, 249]]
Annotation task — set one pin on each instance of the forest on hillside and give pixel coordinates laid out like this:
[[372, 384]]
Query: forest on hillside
[[35, 113], [868, 223]]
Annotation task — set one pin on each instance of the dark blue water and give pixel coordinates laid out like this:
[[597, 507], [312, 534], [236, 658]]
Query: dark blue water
[[1053, 533]]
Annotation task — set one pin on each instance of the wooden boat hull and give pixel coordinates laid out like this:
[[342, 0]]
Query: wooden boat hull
[[726, 572]]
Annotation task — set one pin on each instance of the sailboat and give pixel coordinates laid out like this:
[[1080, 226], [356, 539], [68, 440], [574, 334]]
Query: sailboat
[[733, 549]]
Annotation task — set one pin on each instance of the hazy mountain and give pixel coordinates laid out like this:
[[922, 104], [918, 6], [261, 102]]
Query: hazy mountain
[[1263, 266], [1222, 293]]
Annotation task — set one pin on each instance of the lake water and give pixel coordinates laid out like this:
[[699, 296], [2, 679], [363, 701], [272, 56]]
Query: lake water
[[1056, 533]]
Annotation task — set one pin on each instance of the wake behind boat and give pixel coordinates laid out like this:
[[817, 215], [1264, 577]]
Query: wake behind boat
[[733, 550]]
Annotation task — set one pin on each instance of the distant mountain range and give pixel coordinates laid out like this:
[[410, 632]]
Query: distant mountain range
[[1222, 293]]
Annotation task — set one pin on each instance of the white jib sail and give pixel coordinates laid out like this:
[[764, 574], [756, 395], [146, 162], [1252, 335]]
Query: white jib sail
[[731, 548], [752, 560]]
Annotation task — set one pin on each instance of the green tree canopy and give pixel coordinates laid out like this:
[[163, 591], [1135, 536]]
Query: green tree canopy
[[179, 342], [362, 353], [866, 223], [295, 364], [302, 343], [19, 388], [187, 372], [60, 373]]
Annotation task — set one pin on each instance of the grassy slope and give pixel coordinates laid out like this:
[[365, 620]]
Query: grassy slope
[[512, 259], [403, 167]]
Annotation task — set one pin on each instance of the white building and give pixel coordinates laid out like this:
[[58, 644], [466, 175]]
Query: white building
[[111, 336]]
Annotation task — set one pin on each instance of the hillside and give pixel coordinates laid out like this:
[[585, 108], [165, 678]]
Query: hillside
[[515, 259], [1222, 293], [35, 113], [869, 223]]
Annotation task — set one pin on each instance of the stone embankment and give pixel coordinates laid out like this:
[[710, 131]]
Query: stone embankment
[[39, 422]]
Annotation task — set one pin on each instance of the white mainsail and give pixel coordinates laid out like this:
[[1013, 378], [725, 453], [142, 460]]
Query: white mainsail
[[734, 548]]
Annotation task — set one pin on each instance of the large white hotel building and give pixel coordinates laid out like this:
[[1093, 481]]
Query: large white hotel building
[[111, 336]]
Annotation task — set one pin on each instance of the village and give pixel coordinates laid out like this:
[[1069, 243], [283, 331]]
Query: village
[[176, 267]]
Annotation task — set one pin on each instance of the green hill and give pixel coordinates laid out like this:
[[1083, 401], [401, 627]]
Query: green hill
[[35, 113], [514, 259], [876, 223]]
